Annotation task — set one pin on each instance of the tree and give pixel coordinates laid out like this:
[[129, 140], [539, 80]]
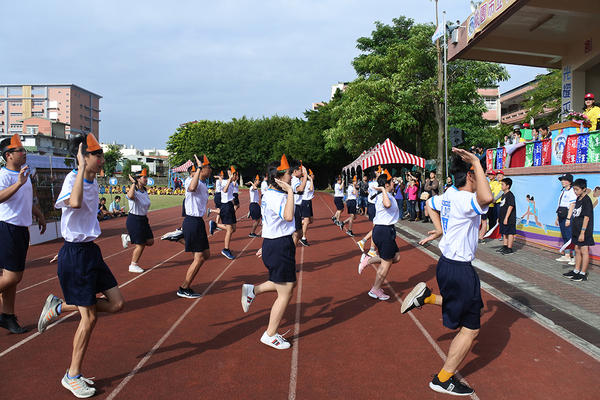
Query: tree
[[127, 167], [111, 158], [545, 96]]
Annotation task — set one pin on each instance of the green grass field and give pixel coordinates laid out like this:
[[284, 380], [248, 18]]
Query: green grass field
[[158, 202]]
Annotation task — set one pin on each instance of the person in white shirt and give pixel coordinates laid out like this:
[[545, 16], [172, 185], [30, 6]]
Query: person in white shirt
[[299, 180], [138, 227], [384, 235], [351, 204], [16, 208], [227, 212], [82, 272], [254, 207], [306, 208], [338, 200], [372, 191], [236, 191], [264, 186], [566, 204], [194, 229], [278, 250], [456, 215], [217, 197]]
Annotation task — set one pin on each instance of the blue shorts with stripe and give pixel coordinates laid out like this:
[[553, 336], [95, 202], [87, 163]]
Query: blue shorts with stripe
[[461, 289], [14, 243], [82, 273]]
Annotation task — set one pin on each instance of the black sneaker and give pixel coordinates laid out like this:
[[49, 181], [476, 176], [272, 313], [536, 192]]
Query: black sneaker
[[500, 250], [253, 235], [341, 225], [579, 277], [416, 298], [507, 251], [304, 242], [350, 233], [451, 386], [212, 226], [10, 323], [334, 220], [570, 274], [188, 293]]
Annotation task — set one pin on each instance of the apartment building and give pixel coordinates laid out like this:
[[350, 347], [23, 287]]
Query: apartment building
[[156, 159]]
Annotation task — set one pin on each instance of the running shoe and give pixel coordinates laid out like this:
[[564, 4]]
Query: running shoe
[[334, 220], [276, 341], [372, 253], [247, 296], [570, 274], [350, 233], [572, 262], [501, 249], [173, 236], [564, 258], [208, 211], [227, 253], [49, 312], [212, 227], [451, 386], [579, 277], [253, 235], [378, 294], [9, 322], [135, 269], [125, 240], [78, 386], [416, 298], [364, 261], [188, 293], [481, 241], [361, 246], [304, 242], [341, 225], [507, 251]]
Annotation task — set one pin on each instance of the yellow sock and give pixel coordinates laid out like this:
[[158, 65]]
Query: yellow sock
[[443, 376], [430, 300]]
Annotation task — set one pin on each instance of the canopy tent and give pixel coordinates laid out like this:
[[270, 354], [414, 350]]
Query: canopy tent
[[385, 153], [183, 167]]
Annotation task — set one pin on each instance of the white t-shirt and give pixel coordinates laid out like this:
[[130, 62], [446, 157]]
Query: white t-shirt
[[297, 197], [195, 202], [460, 214], [372, 191], [264, 186], [567, 197], [386, 216], [17, 209], [338, 190], [253, 195], [272, 208], [351, 192], [226, 196], [217, 186], [309, 191], [79, 225], [140, 203], [236, 187]]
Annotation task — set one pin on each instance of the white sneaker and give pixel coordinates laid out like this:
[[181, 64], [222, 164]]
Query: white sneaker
[[79, 386], [572, 262], [277, 341], [564, 258], [247, 296], [125, 240], [135, 268]]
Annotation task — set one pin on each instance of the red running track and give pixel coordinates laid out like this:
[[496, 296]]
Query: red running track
[[346, 345]]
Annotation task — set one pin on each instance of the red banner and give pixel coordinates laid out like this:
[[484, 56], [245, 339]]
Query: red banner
[[546, 152], [570, 152], [489, 159]]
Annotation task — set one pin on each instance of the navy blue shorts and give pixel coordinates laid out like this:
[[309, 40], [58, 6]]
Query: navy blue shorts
[[255, 211], [339, 203], [371, 211], [14, 242], [82, 273], [384, 237], [227, 213], [194, 233], [509, 229], [183, 209], [460, 287], [236, 199], [279, 256], [351, 204], [217, 200], [306, 209], [138, 228], [297, 217]]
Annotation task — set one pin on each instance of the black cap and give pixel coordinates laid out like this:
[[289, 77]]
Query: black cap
[[566, 177]]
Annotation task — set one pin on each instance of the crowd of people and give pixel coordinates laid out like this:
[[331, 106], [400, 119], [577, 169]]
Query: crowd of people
[[284, 207]]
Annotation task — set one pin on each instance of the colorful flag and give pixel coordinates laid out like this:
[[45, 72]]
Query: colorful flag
[[537, 154], [547, 152], [529, 155], [489, 159], [499, 158], [439, 32], [582, 149], [593, 153], [570, 151]]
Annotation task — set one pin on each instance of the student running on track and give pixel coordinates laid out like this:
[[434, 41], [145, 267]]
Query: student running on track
[[338, 200], [227, 213], [254, 207], [299, 180], [351, 204], [456, 215], [278, 251], [306, 209], [371, 213]]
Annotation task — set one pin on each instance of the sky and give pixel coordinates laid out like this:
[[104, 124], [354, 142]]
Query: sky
[[159, 64]]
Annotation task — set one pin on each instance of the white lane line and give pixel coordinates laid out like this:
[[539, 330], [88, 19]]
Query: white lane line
[[143, 361], [294, 368]]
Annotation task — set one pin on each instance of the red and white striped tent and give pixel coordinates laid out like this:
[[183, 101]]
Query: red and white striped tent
[[385, 153], [183, 167]]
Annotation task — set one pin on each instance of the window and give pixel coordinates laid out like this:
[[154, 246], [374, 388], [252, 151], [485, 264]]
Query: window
[[491, 102], [38, 103], [16, 125], [16, 114], [16, 104], [37, 114], [32, 129]]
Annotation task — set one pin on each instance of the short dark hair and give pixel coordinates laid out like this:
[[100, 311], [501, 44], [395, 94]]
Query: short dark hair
[[543, 126], [74, 146], [294, 165], [580, 183], [459, 170], [117, 197], [508, 182]]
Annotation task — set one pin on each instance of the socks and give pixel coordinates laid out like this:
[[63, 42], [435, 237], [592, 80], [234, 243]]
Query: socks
[[59, 308], [430, 300], [303, 238], [443, 376], [73, 377]]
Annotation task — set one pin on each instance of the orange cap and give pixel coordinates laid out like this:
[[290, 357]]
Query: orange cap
[[284, 164], [144, 172], [205, 161], [15, 142], [92, 143], [389, 177], [221, 173], [257, 177], [193, 168], [379, 169], [232, 170], [354, 179], [310, 172]]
